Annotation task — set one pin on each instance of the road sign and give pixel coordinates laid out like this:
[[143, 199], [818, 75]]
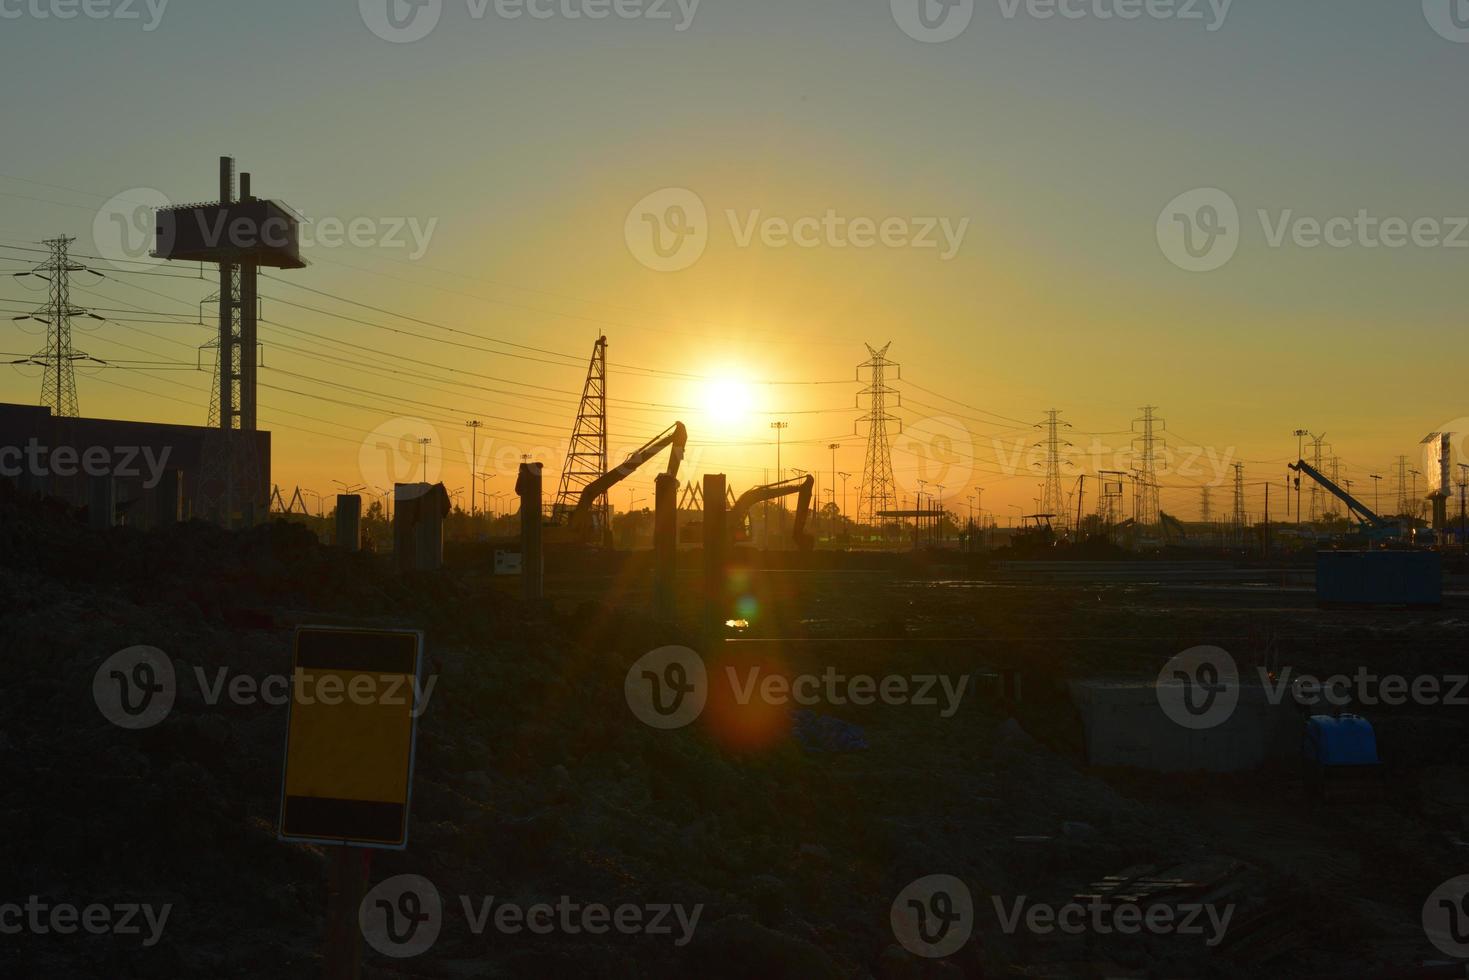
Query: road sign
[[350, 736]]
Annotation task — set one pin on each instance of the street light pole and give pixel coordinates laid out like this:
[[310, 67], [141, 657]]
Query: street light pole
[[474, 426], [779, 427], [1300, 448], [842, 514]]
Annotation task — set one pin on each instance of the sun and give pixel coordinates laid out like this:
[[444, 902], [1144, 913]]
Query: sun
[[727, 401]]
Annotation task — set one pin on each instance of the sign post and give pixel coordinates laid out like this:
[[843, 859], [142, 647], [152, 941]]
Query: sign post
[[348, 775]]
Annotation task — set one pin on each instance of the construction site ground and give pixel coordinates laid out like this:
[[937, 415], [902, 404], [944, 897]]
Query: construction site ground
[[535, 780]]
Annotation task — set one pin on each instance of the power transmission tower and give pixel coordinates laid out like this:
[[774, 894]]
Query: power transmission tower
[[1316, 489], [58, 383], [586, 456], [1052, 499], [1238, 518], [1402, 486], [1204, 512], [877, 492], [1145, 499]]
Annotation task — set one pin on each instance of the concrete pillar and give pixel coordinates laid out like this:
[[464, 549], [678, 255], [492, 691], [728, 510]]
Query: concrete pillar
[[429, 528], [405, 512], [101, 502], [665, 543], [168, 499], [532, 565], [349, 522], [419, 510], [715, 544]]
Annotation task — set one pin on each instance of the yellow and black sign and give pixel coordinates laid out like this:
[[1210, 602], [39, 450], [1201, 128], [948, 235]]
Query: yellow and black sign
[[350, 736]]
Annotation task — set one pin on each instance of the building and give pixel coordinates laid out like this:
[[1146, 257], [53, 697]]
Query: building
[[143, 467]]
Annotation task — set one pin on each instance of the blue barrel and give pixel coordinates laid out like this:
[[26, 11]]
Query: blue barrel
[[1340, 740]]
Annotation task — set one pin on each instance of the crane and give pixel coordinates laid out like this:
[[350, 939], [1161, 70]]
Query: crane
[[802, 485], [1359, 510]]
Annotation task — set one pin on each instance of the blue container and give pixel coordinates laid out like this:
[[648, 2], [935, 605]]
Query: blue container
[[1369, 578], [1342, 740]]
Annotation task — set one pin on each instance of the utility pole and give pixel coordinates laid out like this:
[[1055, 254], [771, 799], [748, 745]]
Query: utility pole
[[1376, 479], [474, 426], [1239, 502], [1265, 539], [834, 446], [424, 443]]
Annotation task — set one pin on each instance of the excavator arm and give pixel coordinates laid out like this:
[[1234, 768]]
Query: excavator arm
[[803, 486], [675, 436]]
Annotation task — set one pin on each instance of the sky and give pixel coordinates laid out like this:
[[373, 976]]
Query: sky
[[1248, 215]]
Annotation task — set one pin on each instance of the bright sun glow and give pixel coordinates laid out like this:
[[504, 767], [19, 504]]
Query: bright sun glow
[[727, 401]]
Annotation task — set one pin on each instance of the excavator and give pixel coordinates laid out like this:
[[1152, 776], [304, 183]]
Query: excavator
[[1173, 530], [770, 491], [578, 526]]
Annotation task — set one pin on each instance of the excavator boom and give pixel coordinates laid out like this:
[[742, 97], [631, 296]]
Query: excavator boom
[[675, 436], [770, 491]]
